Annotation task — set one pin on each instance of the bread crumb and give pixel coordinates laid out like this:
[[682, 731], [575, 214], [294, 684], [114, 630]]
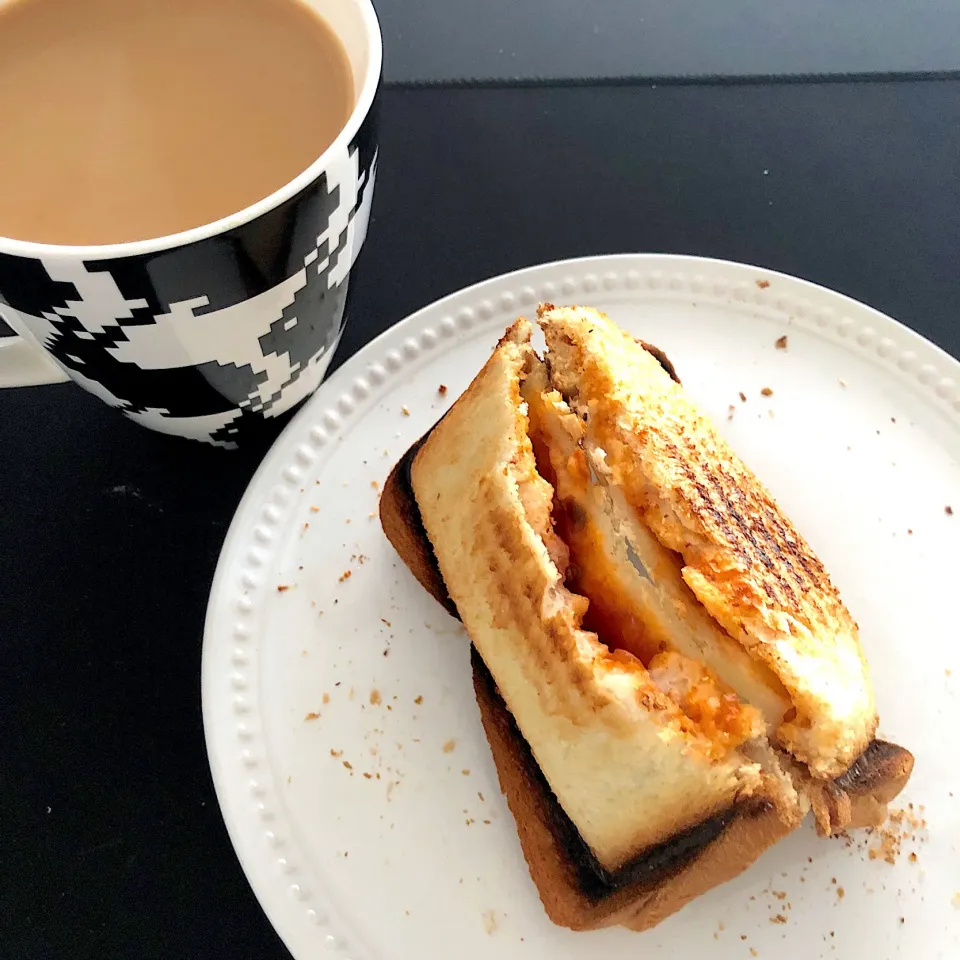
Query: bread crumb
[[766, 392], [442, 389], [743, 397], [346, 575], [721, 927], [465, 772], [948, 510], [841, 893], [405, 411], [449, 746], [909, 532], [325, 698], [779, 918], [730, 411], [348, 764], [374, 484], [314, 509], [948, 672], [282, 587], [955, 901], [418, 700], [312, 716], [782, 342], [336, 754], [753, 952], [900, 825], [490, 922], [375, 698], [842, 382], [779, 894], [913, 857], [763, 284], [743, 936]]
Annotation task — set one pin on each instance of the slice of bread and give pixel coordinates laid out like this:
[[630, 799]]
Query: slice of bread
[[742, 558], [628, 761]]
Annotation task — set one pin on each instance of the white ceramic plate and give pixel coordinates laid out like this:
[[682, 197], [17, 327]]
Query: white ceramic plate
[[343, 735]]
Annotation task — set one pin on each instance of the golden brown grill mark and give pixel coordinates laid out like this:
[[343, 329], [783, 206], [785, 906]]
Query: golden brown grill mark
[[552, 645], [756, 516], [773, 545], [782, 552], [707, 505], [741, 534]]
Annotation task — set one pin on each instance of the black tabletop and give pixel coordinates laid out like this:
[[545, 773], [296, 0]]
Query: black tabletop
[[112, 843]]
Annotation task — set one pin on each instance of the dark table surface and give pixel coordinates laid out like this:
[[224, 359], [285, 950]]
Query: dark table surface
[[112, 843]]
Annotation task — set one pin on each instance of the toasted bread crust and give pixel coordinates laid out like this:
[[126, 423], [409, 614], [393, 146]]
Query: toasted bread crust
[[403, 526], [742, 556]]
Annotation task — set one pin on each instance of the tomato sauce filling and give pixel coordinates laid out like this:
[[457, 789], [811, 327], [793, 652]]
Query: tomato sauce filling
[[633, 637]]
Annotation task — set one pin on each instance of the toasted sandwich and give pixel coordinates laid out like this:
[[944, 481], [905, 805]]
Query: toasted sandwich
[[666, 676]]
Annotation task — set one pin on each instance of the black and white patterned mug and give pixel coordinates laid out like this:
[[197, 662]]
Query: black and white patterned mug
[[210, 332]]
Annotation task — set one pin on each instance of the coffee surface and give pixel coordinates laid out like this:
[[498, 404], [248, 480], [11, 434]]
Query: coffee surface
[[133, 119]]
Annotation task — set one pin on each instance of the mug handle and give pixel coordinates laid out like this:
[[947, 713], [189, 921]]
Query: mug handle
[[25, 364]]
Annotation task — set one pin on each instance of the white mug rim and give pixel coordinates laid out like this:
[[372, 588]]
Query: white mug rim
[[133, 248]]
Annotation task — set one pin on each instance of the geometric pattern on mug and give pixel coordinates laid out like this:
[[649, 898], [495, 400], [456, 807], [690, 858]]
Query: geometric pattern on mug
[[262, 354]]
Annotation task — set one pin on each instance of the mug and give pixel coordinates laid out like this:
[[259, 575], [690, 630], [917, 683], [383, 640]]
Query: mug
[[211, 332]]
